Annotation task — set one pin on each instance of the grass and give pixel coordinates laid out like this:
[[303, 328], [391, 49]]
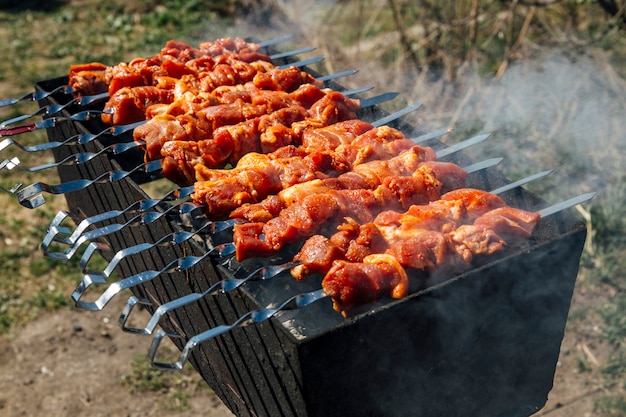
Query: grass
[[176, 387], [438, 52]]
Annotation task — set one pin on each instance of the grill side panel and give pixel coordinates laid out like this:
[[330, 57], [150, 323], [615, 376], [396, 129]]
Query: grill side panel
[[251, 369], [485, 344]]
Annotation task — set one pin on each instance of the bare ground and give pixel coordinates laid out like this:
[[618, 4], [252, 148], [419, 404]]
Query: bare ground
[[72, 363]]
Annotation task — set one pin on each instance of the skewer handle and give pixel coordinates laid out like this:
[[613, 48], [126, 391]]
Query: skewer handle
[[252, 317]]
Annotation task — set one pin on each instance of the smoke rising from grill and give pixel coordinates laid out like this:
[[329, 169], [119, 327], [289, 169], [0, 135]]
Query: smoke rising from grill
[[555, 108]]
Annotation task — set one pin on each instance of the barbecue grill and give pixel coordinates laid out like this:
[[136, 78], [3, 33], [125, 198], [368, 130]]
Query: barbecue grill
[[482, 343]]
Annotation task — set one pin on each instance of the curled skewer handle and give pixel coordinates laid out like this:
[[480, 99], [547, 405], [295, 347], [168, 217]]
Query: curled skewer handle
[[49, 122], [226, 285], [9, 164], [141, 205], [45, 110], [79, 237], [177, 265], [84, 157], [36, 95], [81, 139], [26, 196], [250, 318], [175, 238]]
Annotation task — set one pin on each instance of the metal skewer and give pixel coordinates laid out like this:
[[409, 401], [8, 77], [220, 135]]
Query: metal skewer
[[181, 264], [177, 265], [66, 89], [79, 139], [119, 148], [30, 196], [114, 130], [52, 109], [295, 302], [79, 236]]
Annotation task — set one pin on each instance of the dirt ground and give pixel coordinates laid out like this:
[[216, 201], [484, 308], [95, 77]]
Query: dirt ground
[[71, 363]]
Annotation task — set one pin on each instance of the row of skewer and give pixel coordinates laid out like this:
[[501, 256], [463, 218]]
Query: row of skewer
[[88, 233]]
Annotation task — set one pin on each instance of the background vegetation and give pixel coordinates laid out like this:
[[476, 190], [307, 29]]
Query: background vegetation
[[476, 64]]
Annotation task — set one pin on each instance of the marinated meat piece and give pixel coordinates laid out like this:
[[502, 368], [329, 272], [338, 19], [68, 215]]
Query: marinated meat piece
[[129, 75], [441, 215], [248, 241], [154, 134], [261, 212], [129, 105], [332, 136], [354, 285], [476, 202], [490, 232], [332, 108], [317, 254], [287, 79], [89, 79]]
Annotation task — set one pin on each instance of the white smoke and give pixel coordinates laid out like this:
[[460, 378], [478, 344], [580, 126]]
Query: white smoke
[[560, 109]]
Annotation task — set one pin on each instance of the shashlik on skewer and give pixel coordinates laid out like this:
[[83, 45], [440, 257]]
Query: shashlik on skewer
[[223, 134], [94, 78], [316, 206], [259, 175], [363, 262], [178, 72], [169, 94]]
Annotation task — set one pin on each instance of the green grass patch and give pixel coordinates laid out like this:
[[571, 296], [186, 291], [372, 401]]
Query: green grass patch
[[176, 387]]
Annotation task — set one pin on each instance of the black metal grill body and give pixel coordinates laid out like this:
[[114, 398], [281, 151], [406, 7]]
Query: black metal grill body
[[484, 343]]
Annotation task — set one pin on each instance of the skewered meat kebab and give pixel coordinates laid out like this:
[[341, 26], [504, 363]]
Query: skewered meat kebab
[[236, 61], [131, 104], [222, 134], [325, 153], [94, 78], [363, 262], [93, 75], [303, 210]]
